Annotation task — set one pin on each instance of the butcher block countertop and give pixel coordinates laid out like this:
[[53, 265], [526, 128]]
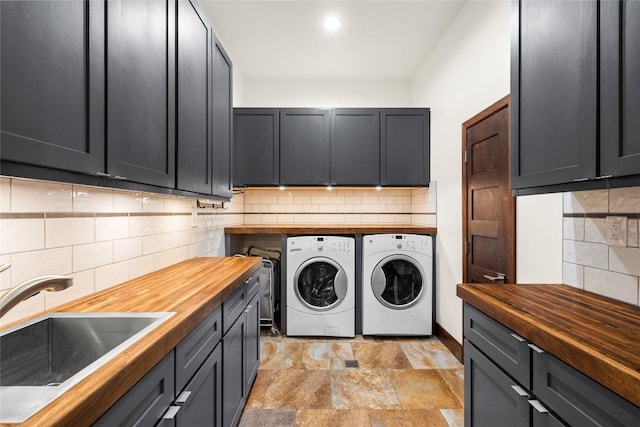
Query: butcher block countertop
[[192, 289], [315, 229], [598, 336]]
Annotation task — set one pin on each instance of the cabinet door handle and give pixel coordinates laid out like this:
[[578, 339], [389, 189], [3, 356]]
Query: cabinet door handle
[[518, 337], [521, 392], [538, 406], [536, 348], [170, 415], [183, 397]]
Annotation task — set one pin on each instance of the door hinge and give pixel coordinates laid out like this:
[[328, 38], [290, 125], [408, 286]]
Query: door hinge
[[465, 155]]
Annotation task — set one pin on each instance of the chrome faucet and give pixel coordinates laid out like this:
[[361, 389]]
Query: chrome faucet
[[31, 287]]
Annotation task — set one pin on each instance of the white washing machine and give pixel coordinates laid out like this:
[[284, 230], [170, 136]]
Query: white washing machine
[[397, 284], [320, 286]]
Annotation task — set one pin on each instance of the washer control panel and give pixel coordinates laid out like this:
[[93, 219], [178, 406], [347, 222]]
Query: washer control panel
[[320, 244]]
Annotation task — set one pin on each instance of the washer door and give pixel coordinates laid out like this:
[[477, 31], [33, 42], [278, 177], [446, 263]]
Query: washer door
[[397, 281], [320, 283]]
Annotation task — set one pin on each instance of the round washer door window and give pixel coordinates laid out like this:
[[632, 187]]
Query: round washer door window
[[397, 281], [320, 284]]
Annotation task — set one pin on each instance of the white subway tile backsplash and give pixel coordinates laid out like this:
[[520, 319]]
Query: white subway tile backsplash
[[69, 231], [92, 255], [127, 201], [573, 274], [595, 230], [26, 265], [178, 204], [141, 226], [163, 259], [111, 275], [153, 243], [40, 196], [127, 248], [614, 285], [140, 266], [83, 285], [573, 228], [5, 195], [624, 200], [91, 199], [632, 233], [22, 234], [152, 203], [585, 253], [596, 201], [625, 260]]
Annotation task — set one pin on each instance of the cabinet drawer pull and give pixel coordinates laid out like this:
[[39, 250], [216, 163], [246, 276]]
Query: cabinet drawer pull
[[183, 397], [521, 392], [106, 175], [171, 413], [536, 348], [538, 406], [518, 337], [580, 179]]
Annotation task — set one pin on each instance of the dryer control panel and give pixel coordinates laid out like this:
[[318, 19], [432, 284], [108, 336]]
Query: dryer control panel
[[397, 243]]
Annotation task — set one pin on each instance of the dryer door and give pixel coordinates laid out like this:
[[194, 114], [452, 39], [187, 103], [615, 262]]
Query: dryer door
[[397, 281], [320, 283]]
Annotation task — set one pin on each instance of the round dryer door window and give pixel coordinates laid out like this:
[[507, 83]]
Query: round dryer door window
[[397, 281], [320, 284]]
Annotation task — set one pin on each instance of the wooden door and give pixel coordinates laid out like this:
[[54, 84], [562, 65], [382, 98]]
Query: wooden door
[[488, 205]]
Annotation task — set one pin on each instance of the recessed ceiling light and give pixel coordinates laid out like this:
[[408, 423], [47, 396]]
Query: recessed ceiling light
[[331, 24]]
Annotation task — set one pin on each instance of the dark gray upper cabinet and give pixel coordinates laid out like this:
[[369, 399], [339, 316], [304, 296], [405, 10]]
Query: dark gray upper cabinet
[[194, 99], [141, 91], [619, 88], [53, 84], [355, 146], [222, 121], [256, 146], [304, 146], [405, 144]]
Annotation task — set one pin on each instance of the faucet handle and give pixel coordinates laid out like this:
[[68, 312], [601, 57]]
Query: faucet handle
[[4, 267]]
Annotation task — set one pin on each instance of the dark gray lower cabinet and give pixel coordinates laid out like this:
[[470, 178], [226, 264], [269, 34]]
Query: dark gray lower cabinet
[[147, 401], [490, 399], [233, 350], [252, 354], [558, 394], [201, 400]]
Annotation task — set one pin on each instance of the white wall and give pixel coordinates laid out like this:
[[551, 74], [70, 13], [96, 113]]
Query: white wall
[[326, 93], [466, 72]]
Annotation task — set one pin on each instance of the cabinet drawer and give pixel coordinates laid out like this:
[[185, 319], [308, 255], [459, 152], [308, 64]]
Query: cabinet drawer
[[253, 286], [233, 307], [506, 349], [491, 398], [145, 403], [195, 348], [576, 398]]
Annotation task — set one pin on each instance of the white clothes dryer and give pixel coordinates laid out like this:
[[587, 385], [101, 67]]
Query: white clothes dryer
[[320, 286], [397, 284]]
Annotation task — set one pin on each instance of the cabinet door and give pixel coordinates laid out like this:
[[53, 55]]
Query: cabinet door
[[404, 141], [576, 398], [222, 104], [619, 88], [201, 400], [256, 146], [490, 398], [141, 90], [304, 146], [355, 147], [233, 384], [194, 99], [252, 347], [52, 84], [553, 92], [146, 402]]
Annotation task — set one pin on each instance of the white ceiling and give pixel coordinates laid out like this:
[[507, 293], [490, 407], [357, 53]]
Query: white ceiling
[[286, 39]]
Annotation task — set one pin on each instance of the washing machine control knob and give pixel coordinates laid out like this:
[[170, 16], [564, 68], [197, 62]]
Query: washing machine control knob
[[320, 247], [399, 245]]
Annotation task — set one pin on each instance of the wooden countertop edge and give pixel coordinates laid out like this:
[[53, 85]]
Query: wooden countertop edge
[[622, 379], [85, 402], [329, 228]]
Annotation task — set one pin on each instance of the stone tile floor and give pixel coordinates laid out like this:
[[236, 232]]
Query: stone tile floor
[[399, 382]]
